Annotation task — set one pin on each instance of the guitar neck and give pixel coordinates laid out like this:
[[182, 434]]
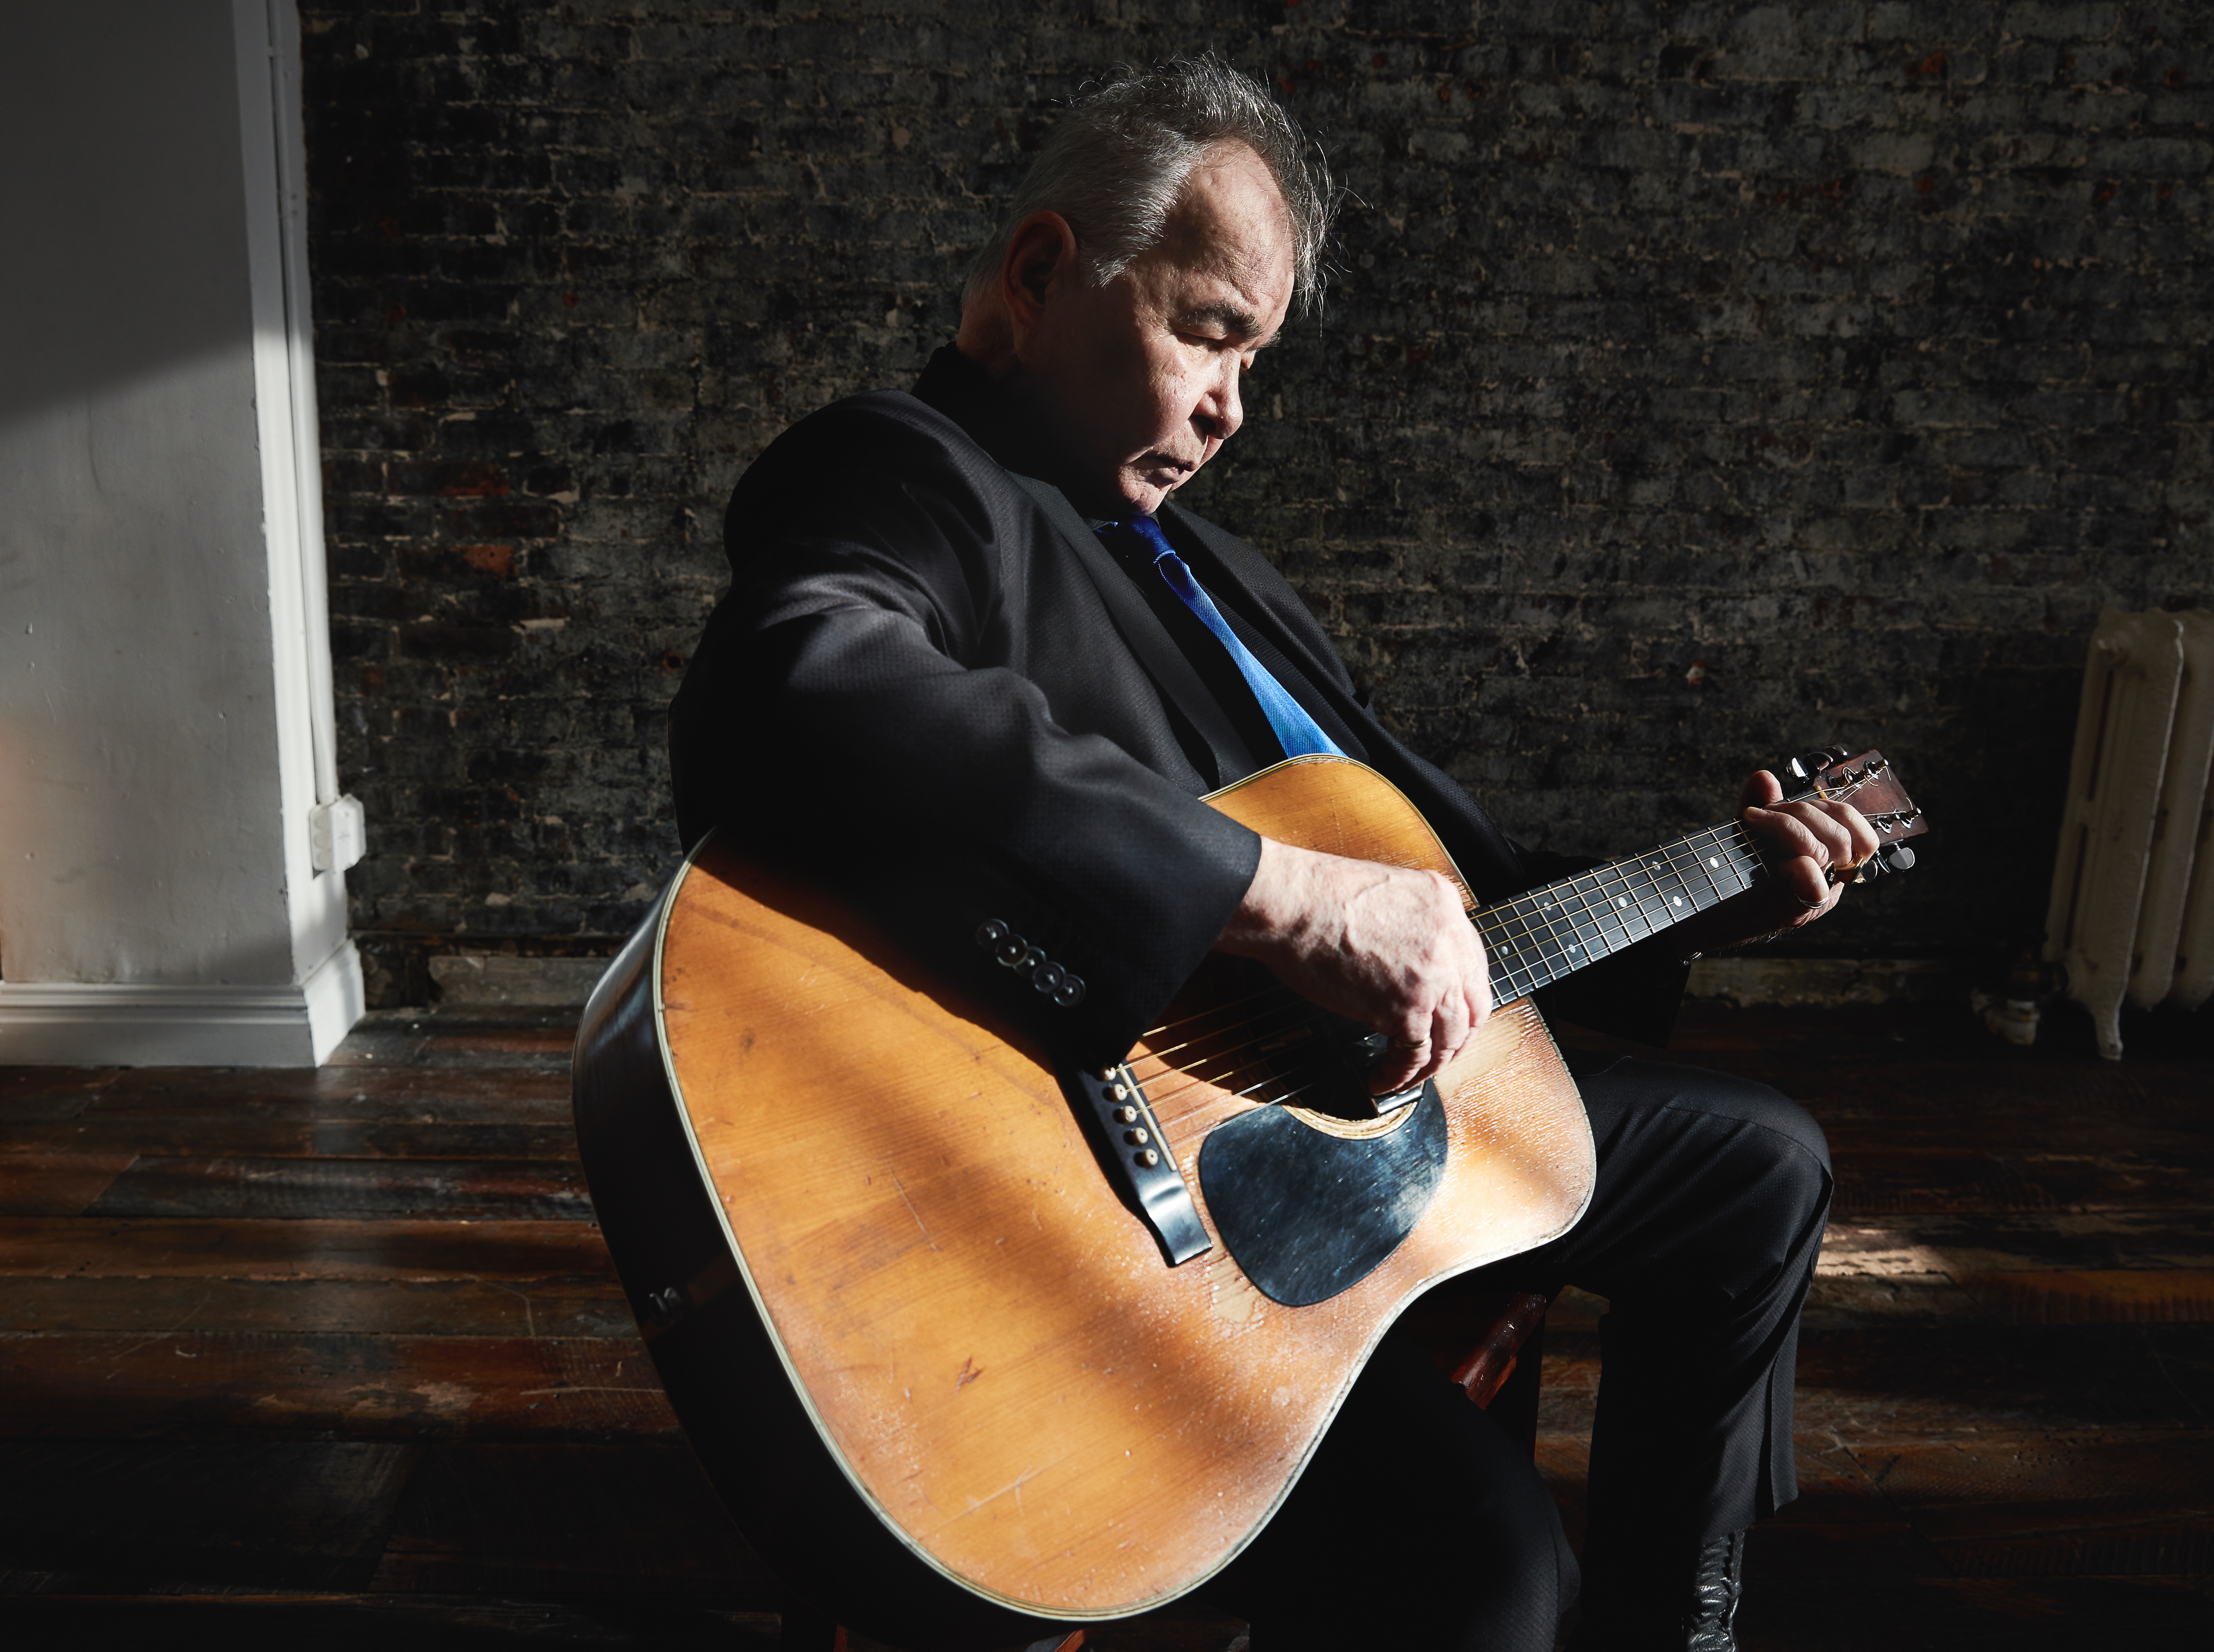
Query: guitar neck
[[1544, 933]]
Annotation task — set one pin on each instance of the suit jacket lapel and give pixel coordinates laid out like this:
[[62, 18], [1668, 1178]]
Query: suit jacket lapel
[[1142, 631]]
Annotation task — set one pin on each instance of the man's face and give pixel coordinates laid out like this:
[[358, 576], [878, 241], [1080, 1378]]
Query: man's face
[[1143, 373]]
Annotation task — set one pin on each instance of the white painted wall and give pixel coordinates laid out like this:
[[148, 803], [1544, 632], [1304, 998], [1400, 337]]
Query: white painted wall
[[164, 650]]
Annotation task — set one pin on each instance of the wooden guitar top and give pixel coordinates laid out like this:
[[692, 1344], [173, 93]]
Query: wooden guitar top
[[988, 1340]]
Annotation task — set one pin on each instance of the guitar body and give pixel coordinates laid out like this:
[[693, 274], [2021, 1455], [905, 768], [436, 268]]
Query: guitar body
[[937, 1365]]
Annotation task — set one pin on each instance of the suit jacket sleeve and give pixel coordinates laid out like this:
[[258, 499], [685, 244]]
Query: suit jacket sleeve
[[858, 704]]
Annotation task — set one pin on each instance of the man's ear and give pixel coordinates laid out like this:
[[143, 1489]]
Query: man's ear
[[1041, 254]]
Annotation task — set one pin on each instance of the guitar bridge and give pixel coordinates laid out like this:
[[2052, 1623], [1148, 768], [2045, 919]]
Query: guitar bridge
[[1136, 1156]]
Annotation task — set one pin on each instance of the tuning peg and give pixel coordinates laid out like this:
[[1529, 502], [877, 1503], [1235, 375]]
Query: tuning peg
[[1895, 857], [1798, 772]]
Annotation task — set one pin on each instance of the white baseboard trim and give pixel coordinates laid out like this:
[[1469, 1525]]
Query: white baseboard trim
[[152, 1024]]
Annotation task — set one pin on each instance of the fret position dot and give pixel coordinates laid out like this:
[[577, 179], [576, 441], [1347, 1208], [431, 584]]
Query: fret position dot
[[1675, 900]]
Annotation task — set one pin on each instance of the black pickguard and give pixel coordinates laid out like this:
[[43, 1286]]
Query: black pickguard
[[1308, 1215]]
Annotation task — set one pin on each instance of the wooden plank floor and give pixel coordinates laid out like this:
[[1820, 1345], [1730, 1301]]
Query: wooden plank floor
[[337, 1359]]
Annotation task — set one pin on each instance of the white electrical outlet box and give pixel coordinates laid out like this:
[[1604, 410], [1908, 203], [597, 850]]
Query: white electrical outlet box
[[338, 832]]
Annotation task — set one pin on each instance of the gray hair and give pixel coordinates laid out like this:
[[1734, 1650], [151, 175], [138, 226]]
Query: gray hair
[[1117, 162]]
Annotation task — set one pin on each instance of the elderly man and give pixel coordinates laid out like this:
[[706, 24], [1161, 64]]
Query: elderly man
[[970, 629]]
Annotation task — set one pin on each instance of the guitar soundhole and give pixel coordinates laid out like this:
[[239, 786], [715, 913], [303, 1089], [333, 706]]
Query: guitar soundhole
[[1241, 1030]]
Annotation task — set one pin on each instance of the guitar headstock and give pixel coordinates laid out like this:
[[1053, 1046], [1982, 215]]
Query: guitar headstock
[[1870, 784]]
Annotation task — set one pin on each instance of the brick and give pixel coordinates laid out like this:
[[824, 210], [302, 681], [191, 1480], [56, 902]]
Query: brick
[[2039, 20], [1651, 339]]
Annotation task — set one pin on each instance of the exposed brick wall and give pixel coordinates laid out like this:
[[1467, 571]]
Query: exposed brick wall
[[1706, 381]]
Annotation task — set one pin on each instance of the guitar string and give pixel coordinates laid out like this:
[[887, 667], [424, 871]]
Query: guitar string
[[1226, 1006], [1305, 1077], [1579, 911], [1543, 933], [1167, 1051], [1507, 906]]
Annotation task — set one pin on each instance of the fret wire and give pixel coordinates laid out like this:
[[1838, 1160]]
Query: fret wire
[[1630, 907], [1522, 931], [1595, 916], [1671, 904], [1524, 980], [1732, 853], [1684, 846], [1589, 915], [1541, 935], [1667, 884], [1709, 866], [1514, 948], [1615, 892], [1516, 913], [1564, 953], [1623, 909], [1493, 938], [1715, 891], [1558, 960], [1522, 925], [1514, 984]]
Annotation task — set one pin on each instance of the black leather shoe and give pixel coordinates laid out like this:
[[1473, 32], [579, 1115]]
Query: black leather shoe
[[1661, 1608], [1718, 1581]]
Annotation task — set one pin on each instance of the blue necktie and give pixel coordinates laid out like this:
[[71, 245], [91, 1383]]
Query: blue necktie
[[1296, 732]]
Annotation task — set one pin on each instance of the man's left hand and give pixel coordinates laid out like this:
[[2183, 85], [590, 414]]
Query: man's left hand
[[1803, 843]]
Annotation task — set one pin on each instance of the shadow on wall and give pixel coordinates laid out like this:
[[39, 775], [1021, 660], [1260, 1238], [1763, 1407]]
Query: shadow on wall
[[140, 812], [93, 298]]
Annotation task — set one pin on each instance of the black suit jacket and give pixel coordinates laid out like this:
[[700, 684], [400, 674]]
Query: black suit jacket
[[931, 682]]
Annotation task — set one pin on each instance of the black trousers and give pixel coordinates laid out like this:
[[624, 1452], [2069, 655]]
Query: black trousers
[[1420, 1522]]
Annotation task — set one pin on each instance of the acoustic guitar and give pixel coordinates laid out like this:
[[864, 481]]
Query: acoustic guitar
[[974, 1346]]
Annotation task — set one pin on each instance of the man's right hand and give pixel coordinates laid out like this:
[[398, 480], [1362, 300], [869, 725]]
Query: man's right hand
[[1380, 945]]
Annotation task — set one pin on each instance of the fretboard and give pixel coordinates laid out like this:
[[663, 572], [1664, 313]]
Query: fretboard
[[1539, 936]]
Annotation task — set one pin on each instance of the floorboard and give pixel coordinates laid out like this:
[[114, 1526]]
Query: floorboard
[[291, 1189], [337, 1358]]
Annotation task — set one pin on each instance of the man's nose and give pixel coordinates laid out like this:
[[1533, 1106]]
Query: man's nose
[[1219, 411]]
